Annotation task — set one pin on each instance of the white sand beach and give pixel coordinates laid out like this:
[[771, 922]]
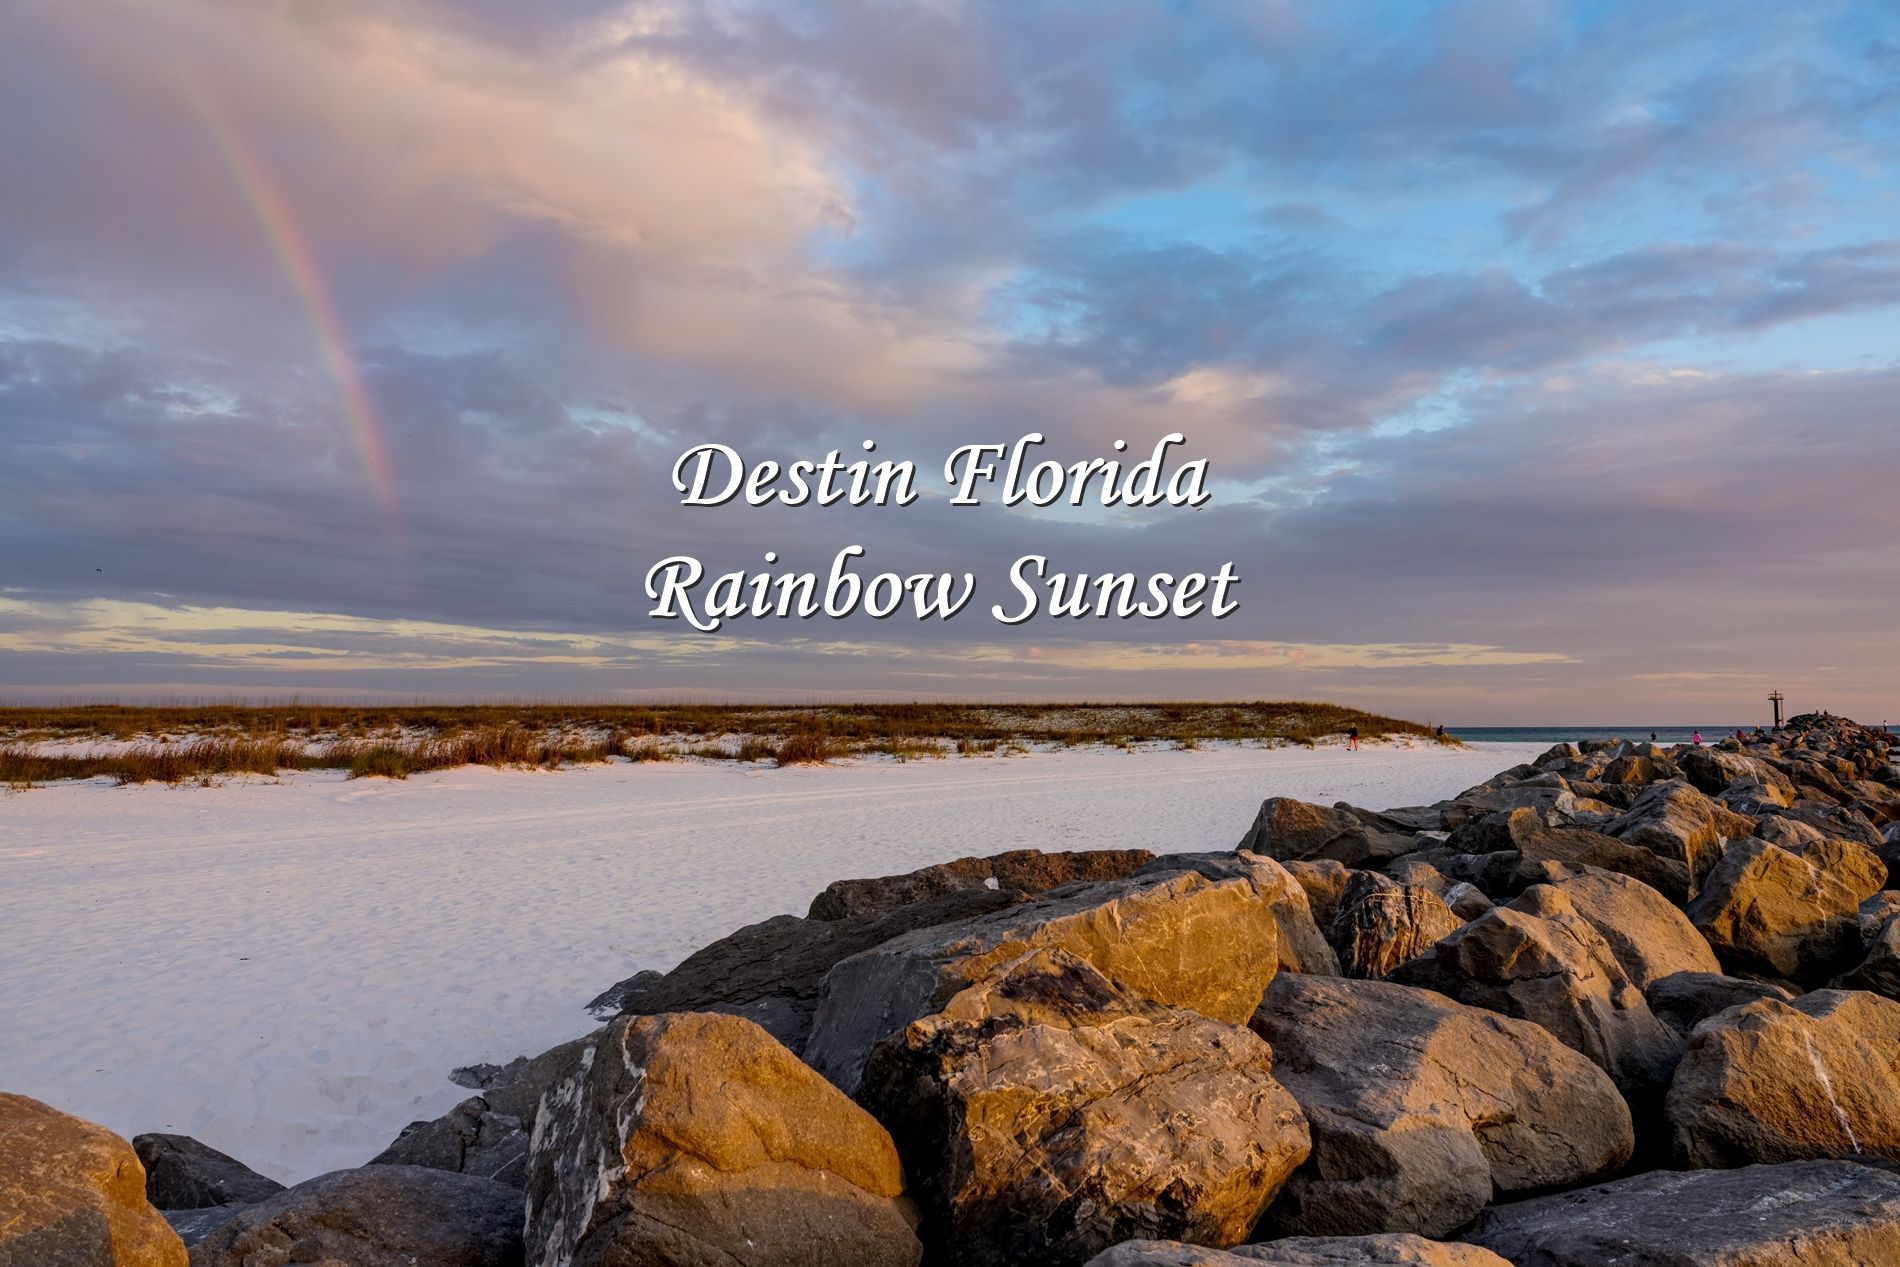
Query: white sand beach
[[287, 969]]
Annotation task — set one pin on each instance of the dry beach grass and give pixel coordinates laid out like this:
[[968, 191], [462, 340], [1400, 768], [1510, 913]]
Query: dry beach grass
[[143, 743]]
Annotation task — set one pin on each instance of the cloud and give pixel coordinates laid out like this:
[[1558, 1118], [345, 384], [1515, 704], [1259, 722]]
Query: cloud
[[1534, 348]]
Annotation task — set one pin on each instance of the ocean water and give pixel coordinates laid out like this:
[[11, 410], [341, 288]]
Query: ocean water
[[1576, 734]]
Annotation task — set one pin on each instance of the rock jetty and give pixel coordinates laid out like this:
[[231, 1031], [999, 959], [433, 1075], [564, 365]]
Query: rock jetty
[[1625, 1003]]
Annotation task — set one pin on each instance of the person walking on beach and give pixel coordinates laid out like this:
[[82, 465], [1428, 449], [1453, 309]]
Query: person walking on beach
[[1695, 737], [1352, 739]]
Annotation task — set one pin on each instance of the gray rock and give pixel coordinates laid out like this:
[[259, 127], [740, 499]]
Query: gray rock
[[1552, 801], [183, 1174], [1021, 872], [1388, 1250], [1415, 870], [1467, 901], [1541, 961], [1582, 848], [487, 1135], [1713, 771], [193, 1226], [1842, 822], [1683, 1000], [1875, 912], [379, 1216], [1181, 940], [769, 972], [1523, 844], [1291, 830], [1879, 966], [1421, 1108], [1047, 1113], [1802, 1214]]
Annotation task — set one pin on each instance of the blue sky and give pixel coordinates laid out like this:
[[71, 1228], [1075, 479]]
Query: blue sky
[[1544, 353]]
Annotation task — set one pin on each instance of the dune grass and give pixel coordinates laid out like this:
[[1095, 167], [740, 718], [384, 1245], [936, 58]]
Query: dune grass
[[202, 741]]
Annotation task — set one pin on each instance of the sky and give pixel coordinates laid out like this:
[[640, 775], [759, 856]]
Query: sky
[[1544, 356]]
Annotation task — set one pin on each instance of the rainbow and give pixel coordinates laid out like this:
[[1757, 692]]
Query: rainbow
[[299, 264]]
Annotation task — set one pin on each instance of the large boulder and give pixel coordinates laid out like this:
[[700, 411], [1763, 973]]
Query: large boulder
[[1287, 829], [1676, 822], [73, 1195], [1548, 796], [488, 1134], [769, 972], [1392, 1249], [697, 1140], [1302, 946], [379, 1216], [1580, 848], [1784, 913], [1683, 1000], [1526, 845], [1467, 901], [1020, 873], [1876, 911], [1183, 940], [1774, 1081], [1381, 923], [1649, 936], [1541, 961], [1422, 1108], [1838, 822], [183, 1174], [193, 1226], [1802, 1214], [1324, 881], [1047, 1113], [1712, 771], [1879, 966]]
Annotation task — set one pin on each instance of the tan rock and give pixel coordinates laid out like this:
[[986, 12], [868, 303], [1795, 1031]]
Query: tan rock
[[1303, 948], [1773, 1081], [1649, 936], [1539, 960], [1796, 915], [696, 1138], [1047, 1113], [73, 1195], [1182, 940], [1676, 822], [1324, 880]]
